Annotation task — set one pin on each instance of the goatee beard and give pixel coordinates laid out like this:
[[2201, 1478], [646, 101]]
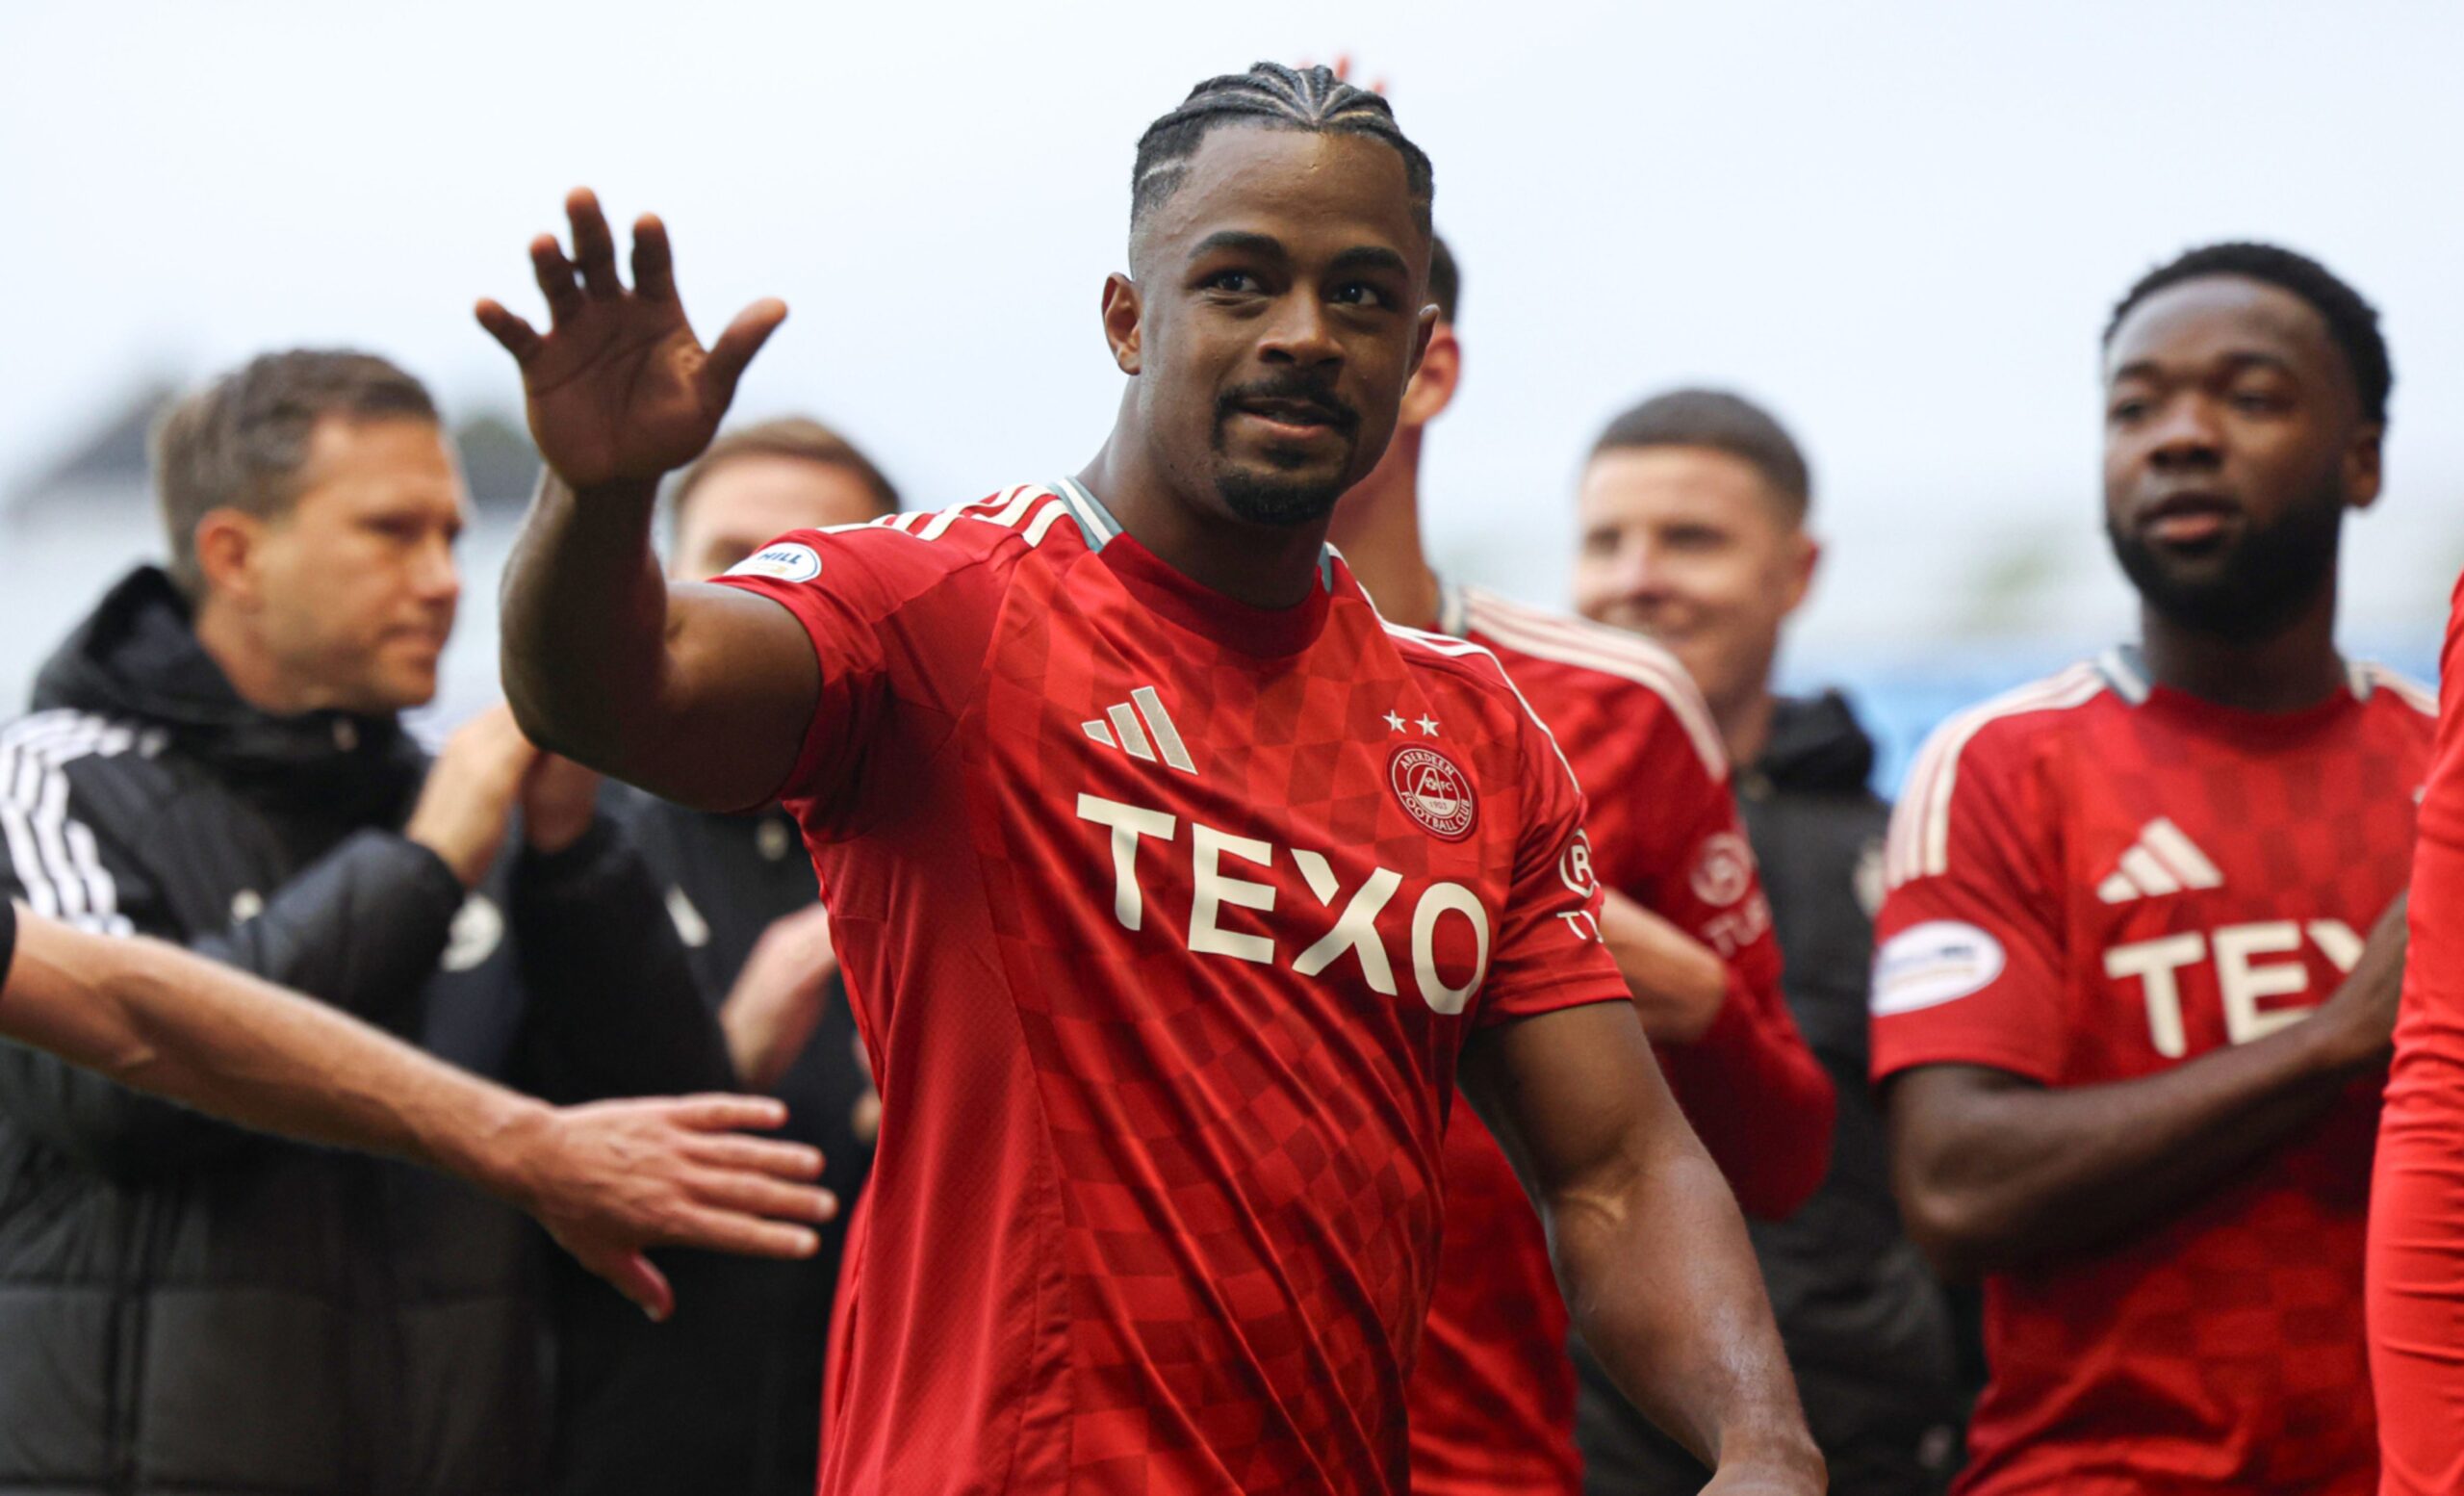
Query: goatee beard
[[2267, 579]]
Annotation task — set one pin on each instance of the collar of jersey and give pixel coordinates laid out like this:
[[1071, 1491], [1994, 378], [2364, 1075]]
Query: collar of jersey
[[1263, 631], [2124, 667]]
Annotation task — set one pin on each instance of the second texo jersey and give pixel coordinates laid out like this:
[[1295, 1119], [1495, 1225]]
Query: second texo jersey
[[2094, 879], [1165, 919], [1493, 1396]]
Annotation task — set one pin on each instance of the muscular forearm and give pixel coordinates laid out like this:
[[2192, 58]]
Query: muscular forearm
[[1663, 1287], [156, 1019], [1649, 1245], [2014, 1174], [585, 621]]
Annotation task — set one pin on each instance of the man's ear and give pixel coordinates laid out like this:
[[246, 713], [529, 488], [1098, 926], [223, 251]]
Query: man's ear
[[1121, 323], [229, 544], [2363, 474], [1434, 383], [1804, 558]]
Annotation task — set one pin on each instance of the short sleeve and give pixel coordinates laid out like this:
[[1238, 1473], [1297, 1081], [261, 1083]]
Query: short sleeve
[[854, 590], [1968, 965], [1549, 953]]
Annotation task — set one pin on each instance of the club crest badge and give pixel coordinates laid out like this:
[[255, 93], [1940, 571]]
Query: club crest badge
[[1432, 791], [1723, 870]]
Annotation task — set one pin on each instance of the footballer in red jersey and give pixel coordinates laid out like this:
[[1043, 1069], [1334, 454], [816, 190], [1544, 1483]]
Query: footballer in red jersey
[[1175, 890], [1493, 1393], [2416, 1271], [2136, 968]]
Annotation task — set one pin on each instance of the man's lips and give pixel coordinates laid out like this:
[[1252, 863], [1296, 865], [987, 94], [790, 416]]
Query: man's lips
[[2189, 519], [1292, 419]]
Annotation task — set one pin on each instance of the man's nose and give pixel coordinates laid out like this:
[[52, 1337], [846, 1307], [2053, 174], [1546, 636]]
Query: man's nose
[[2186, 434], [1298, 331]]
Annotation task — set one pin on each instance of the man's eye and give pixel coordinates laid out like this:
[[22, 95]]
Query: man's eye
[[1360, 293], [1237, 281], [2128, 409]]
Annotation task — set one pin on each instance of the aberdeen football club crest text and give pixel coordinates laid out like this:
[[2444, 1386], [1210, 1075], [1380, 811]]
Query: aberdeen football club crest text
[[1432, 790]]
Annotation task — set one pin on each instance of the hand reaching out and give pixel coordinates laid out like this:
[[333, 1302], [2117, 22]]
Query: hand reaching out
[[615, 1177], [619, 388]]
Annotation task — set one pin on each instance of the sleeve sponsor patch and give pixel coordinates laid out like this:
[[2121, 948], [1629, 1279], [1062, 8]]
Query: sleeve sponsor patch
[[1931, 964], [785, 562]]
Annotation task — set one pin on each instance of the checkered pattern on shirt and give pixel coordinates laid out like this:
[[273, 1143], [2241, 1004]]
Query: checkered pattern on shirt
[[2223, 1349], [1145, 1219]]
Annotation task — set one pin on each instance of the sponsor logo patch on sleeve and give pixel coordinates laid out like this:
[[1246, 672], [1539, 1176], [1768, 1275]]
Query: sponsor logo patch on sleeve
[[785, 562], [1931, 964]]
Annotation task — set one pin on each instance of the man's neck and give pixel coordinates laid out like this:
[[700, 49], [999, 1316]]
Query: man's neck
[[1745, 724], [1257, 564], [2296, 666], [227, 639], [1377, 528]]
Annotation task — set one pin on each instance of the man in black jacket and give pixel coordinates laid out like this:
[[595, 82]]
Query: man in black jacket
[[730, 1395], [215, 759], [1692, 512]]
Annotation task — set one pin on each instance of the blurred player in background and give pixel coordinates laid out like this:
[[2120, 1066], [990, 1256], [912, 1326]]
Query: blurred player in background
[[1493, 1393], [2141, 954], [1172, 884], [728, 1397], [1693, 532]]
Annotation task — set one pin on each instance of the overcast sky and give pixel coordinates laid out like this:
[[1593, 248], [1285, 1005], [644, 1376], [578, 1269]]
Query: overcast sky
[[1900, 225]]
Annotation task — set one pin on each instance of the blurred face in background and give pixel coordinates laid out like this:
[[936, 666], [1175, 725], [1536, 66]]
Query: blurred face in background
[[1689, 547], [746, 501], [346, 599]]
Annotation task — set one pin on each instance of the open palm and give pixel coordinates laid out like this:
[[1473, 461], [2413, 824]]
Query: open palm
[[619, 388]]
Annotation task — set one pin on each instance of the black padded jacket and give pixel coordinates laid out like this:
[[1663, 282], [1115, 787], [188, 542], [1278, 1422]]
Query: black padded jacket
[[190, 1308]]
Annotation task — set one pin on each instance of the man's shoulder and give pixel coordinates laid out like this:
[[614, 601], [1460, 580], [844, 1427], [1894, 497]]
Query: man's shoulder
[[2022, 722], [60, 739], [1985, 754], [2403, 703], [1597, 682]]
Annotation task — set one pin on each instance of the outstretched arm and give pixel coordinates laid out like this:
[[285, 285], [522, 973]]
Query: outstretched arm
[[699, 694], [1651, 1252], [607, 1180]]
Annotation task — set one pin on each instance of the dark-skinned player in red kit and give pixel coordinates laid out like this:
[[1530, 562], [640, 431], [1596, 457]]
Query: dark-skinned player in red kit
[[2137, 970], [1169, 947]]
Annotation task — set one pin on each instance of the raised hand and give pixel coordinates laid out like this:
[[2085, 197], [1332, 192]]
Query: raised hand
[[619, 390], [613, 1178]]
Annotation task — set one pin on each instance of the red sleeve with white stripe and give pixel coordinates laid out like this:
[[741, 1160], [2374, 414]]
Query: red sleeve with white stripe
[[1758, 1098], [1549, 953], [850, 588], [2416, 1262], [1968, 967]]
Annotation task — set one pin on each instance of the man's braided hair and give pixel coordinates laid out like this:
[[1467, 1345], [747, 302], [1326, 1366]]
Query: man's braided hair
[[1276, 97]]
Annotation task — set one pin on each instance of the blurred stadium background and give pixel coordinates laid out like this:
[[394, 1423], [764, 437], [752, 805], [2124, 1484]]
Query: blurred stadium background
[[1901, 226]]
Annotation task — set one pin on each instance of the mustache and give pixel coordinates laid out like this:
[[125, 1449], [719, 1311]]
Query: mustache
[[1319, 401]]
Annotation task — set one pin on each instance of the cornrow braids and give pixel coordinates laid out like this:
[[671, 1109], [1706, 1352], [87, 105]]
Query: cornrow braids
[[1276, 97], [2353, 324]]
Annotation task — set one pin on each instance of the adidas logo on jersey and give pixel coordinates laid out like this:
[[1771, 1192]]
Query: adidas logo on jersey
[[1141, 728], [2161, 861]]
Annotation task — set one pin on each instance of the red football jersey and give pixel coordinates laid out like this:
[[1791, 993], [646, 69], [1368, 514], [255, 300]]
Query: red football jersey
[[1165, 919], [1493, 1395], [2093, 880], [2416, 1278]]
